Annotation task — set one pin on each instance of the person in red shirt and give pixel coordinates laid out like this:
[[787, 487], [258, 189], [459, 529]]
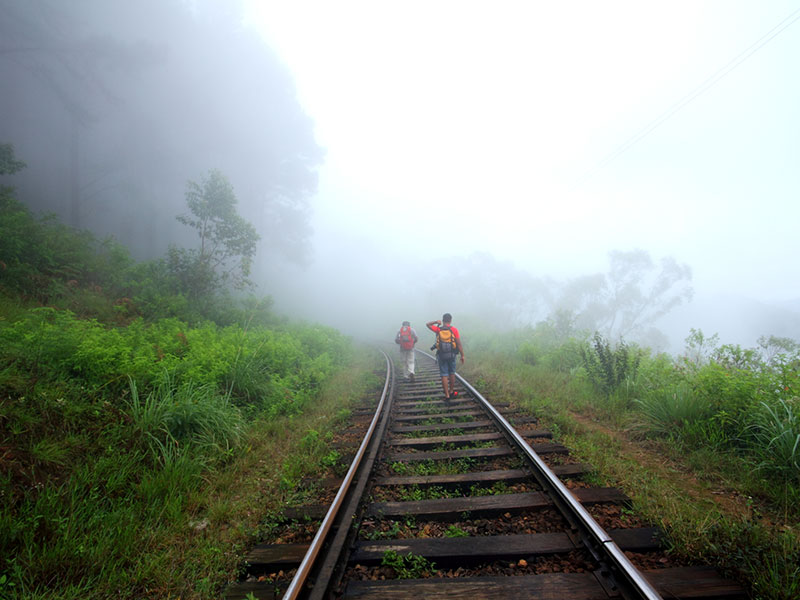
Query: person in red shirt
[[407, 337], [446, 352]]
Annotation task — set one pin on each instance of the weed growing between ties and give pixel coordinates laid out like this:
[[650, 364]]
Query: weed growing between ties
[[706, 444], [432, 433], [433, 467], [408, 566]]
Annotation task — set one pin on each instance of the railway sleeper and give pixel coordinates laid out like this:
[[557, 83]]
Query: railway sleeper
[[459, 440], [475, 550], [427, 407], [473, 477], [442, 426], [475, 453], [268, 558], [453, 508], [678, 582]]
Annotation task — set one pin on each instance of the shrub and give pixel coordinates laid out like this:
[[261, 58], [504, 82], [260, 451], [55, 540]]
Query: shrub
[[171, 420], [775, 434], [607, 367], [669, 411]]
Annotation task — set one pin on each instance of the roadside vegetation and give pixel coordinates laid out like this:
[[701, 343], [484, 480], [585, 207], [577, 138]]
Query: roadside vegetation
[[154, 418], [707, 443]]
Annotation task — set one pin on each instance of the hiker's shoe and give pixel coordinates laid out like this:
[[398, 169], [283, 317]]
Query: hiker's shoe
[[411, 377], [455, 393]]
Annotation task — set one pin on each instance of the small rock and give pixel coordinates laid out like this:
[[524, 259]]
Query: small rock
[[199, 525]]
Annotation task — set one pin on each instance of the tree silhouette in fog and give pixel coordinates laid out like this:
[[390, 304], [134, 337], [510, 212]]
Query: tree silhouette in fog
[[115, 105], [227, 241]]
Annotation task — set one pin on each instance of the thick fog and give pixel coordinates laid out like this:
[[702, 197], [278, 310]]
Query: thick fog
[[623, 166]]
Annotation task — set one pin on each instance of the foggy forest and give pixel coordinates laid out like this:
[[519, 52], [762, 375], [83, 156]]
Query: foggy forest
[[220, 208]]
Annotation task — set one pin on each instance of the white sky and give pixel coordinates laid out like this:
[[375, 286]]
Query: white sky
[[499, 116]]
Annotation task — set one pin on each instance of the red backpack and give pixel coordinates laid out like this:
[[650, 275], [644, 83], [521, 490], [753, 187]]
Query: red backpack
[[406, 339]]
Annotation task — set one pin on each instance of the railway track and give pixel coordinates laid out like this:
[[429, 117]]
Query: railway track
[[463, 498]]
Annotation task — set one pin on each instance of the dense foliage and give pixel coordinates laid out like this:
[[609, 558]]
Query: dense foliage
[[117, 394]]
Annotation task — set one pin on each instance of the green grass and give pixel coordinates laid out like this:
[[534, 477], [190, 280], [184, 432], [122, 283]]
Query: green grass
[[160, 499], [454, 531], [433, 467], [408, 566], [415, 493]]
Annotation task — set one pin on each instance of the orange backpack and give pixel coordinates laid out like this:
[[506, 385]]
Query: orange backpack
[[406, 339], [446, 343]]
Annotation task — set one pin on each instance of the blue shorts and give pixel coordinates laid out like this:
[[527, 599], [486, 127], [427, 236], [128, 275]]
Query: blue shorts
[[447, 367]]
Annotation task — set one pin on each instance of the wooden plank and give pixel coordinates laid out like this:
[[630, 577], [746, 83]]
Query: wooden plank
[[693, 582], [521, 420], [448, 455], [450, 549], [305, 513], [265, 556], [325, 482], [490, 504], [454, 506], [509, 475], [261, 590], [544, 448], [444, 415], [418, 407], [574, 469], [549, 586], [680, 582], [497, 547], [536, 433], [429, 442], [598, 495], [548, 448], [443, 426], [428, 395], [638, 539], [466, 479]]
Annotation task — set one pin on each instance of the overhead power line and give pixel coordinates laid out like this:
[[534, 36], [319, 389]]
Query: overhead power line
[[703, 87]]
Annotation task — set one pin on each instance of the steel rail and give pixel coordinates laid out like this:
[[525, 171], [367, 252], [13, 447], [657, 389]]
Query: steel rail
[[300, 577], [634, 578]]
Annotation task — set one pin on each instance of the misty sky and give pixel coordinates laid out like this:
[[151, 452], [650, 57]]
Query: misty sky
[[505, 119]]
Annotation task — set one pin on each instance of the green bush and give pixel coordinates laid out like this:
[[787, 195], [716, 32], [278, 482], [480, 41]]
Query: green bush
[[174, 419], [670, 412], [775, 437], [609, 368]]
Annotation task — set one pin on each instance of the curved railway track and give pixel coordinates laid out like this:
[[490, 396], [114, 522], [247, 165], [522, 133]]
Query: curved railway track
[[463, 498]]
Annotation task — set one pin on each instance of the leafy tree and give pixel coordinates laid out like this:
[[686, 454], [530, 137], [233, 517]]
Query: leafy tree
[[631, 296], [699, 347], [227, 241], [775, 348], [8, 163]]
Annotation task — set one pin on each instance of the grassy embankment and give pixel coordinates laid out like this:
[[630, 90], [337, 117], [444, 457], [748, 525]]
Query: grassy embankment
[[146, 439], [708, 447]]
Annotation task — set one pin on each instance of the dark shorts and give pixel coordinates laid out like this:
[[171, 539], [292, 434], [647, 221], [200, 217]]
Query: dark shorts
[[447, 367]]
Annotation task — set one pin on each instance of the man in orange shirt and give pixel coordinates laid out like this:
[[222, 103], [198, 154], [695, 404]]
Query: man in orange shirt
[[448, 344]]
